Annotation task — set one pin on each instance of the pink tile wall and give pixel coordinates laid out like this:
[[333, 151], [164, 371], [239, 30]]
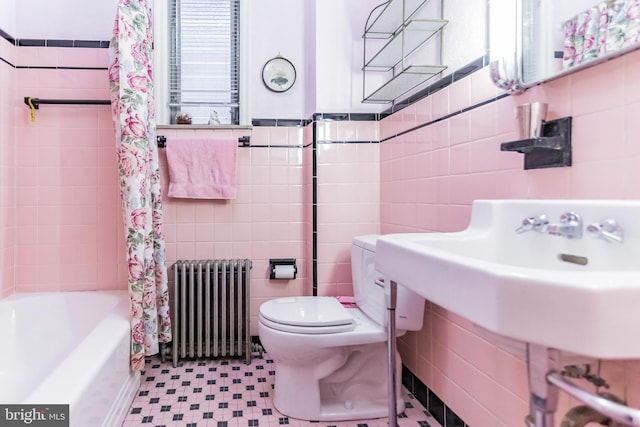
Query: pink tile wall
[[7, 171], [68, 221], [348, 176], [266, 220], [67, 199], [430, 177]]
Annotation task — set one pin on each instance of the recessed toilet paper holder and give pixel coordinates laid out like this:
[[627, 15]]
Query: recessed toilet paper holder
[[281, 268]]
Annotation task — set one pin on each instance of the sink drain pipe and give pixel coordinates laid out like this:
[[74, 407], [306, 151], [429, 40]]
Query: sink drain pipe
[[545, 380], [615, 411], [582, 415]]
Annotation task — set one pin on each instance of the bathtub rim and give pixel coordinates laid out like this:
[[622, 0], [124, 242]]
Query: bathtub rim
[[117, 317]]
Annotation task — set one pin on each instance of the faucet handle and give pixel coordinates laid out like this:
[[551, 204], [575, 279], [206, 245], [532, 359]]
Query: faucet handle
[[533, 223], [609, 230]]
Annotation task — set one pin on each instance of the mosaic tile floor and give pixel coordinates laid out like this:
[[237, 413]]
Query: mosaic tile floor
[[229, 394]]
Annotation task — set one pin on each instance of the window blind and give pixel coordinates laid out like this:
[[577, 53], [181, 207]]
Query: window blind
[[204, 60]]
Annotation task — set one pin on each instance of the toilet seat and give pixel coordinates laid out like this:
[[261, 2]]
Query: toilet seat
[[306, 315]]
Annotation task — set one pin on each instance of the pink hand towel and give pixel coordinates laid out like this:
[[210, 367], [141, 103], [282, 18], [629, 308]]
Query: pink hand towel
[[202, 169]]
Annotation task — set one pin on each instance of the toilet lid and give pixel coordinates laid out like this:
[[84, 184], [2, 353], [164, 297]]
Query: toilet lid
[[307, 312]]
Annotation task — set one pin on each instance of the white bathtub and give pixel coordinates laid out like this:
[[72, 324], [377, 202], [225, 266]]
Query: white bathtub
[[68, 348]]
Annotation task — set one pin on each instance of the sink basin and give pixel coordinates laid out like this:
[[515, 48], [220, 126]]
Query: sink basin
[[580, 295]]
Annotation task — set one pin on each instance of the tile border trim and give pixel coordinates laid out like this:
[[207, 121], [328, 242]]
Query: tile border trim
[[431, 402], [7, 37], [448, 116], [92, 44], [280, 122]]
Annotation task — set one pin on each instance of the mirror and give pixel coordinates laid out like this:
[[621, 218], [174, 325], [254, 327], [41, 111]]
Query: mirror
[[556, 38]]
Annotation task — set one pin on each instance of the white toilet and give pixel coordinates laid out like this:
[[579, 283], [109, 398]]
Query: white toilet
[[331, 361]]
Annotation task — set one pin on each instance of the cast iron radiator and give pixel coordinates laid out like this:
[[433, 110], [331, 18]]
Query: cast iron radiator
[[211, 309]]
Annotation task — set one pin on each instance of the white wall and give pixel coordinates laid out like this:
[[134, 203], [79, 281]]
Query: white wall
[[323, 39], [278, 28], [8, 17], [64, 19], [465, 35], [339, 55]]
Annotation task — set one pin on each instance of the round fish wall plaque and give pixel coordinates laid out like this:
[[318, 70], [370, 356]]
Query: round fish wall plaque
[[279, 74]]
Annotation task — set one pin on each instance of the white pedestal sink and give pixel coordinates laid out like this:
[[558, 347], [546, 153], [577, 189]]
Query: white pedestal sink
[[580, 295]]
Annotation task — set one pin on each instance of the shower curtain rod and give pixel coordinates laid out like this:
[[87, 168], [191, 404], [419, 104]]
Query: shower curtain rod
[[37, 101]]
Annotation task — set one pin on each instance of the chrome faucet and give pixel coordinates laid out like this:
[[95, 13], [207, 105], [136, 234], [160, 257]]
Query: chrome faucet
[[570, 226], [533, 223]]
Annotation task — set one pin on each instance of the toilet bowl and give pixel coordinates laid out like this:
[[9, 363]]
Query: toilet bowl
[[331, 361]]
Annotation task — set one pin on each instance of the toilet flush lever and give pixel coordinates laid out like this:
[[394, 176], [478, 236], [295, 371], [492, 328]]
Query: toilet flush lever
[[608, 230], [379, 282]]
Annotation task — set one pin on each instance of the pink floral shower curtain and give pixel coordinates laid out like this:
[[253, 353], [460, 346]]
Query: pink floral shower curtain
[[130, 77]]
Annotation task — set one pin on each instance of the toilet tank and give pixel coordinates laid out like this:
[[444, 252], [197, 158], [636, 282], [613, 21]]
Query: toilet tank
[[370, 297]]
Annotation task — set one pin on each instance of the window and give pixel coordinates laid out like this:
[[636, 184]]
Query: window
[[204, 60]]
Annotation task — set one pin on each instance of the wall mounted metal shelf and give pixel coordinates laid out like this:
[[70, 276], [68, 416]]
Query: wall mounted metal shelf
[[406, 34], [388, 22], [403, 82], [413, 35]]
